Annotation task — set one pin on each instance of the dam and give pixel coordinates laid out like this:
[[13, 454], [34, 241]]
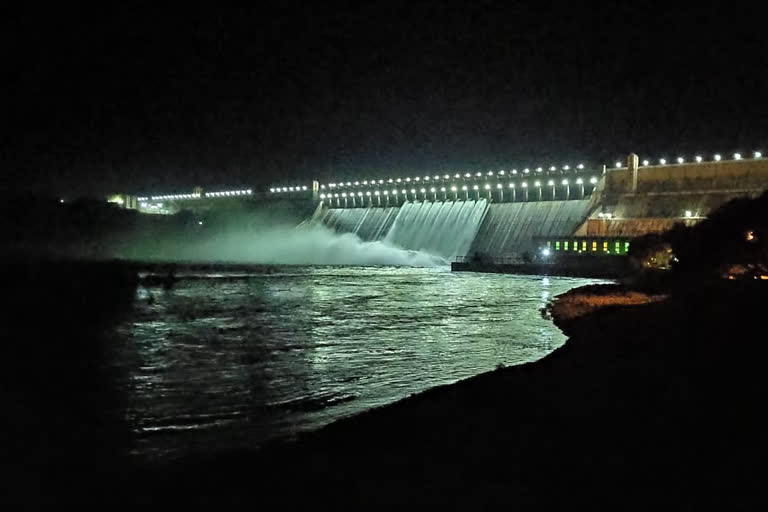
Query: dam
[[506, 215]]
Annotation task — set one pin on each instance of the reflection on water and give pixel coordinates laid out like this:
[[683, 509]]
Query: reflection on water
[[223, 361]]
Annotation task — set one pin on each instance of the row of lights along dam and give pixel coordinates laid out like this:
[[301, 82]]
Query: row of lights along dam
[[437, 179], [537, 183], [537, 190], [698, 159]]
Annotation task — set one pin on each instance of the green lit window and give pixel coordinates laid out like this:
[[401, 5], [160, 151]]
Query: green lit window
[[557, 245], [594, 246], [605, 246], [617, 247], [584, 245], [565, 245], [626, 246], [575, 245]]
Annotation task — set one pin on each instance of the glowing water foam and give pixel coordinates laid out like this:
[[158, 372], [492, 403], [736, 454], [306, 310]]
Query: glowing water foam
[[318, 245], [369, 224]]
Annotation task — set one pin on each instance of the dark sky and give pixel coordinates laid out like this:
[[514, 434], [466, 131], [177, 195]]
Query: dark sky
[[144, 100]]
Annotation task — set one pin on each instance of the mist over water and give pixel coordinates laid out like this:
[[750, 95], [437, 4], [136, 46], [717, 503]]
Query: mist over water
[[421, 234], [309, 244]]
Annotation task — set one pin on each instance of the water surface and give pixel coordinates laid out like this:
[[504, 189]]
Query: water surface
[[228, 360]]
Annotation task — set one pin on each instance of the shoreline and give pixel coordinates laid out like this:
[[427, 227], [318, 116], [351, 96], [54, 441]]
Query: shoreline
[[616, 412]]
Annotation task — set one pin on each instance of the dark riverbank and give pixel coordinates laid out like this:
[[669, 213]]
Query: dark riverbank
[[659, 403], [63, 442]]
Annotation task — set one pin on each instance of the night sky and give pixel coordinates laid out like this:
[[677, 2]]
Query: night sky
[[157, 101]]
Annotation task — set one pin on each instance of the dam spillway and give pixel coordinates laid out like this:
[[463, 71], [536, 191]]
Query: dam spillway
[[451, 229], [443, 228]]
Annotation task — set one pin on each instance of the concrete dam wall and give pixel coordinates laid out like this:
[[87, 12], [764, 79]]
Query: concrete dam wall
[[511, 229], [636, 200], [634, 215]]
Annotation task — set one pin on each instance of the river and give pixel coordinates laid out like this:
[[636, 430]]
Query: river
[[225, 361]]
